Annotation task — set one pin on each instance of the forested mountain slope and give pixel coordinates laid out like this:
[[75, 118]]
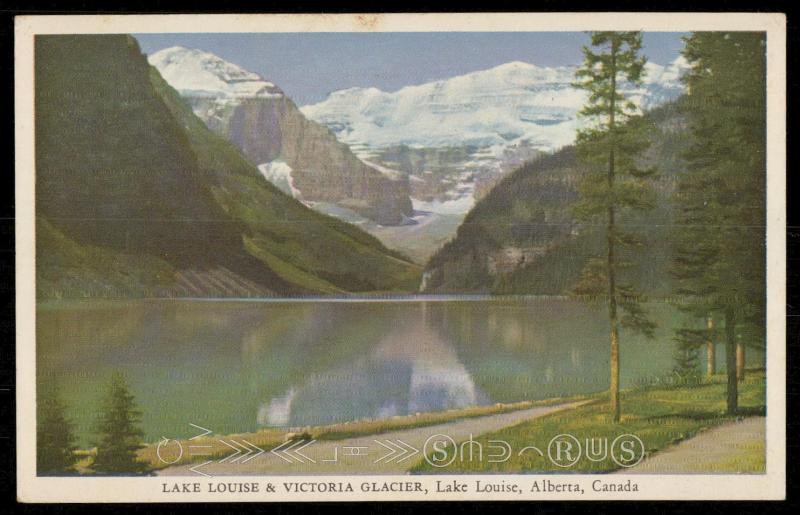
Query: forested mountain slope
[[522, 238]]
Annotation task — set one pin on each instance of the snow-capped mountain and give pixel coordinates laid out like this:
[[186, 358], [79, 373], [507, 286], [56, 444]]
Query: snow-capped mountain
[[299, 156], [506, 105], [456, 138], [416, 159], [197, 73]]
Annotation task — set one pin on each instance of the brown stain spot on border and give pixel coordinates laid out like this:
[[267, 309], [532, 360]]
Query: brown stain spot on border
[[368, 21]]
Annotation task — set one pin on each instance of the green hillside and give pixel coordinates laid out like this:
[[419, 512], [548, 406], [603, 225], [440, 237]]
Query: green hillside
[[522, 238], [132, 189]]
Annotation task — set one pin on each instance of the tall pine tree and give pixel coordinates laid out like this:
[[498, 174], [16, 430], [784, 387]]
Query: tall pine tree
[[55, 439], [721, 237], [119, 431], [612, 184]]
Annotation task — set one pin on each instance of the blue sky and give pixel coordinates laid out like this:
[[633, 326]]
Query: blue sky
[[308, 66]]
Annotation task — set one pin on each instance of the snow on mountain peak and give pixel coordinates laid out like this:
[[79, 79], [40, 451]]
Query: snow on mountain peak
[[669, 75], [516, 65], [197, 73], [506, 104]]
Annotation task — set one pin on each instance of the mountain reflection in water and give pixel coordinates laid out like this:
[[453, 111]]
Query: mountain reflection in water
[[235, 366], [410, 370]]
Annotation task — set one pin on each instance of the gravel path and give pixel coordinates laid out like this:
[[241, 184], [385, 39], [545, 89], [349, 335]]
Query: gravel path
[[732, 447], [372, 448]]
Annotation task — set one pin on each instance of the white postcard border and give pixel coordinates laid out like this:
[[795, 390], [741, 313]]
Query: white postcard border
[[771, 485]]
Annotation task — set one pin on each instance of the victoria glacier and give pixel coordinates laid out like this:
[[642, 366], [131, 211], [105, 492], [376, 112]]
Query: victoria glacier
[[418, 158]]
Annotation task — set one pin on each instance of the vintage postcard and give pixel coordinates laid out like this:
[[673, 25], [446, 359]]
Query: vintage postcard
[[400, 257]]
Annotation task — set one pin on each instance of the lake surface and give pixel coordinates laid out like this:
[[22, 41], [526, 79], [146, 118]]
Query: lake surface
[[235, 366]]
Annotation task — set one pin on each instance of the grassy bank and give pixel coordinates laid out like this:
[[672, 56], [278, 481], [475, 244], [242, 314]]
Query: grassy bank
[[272, 437], [660, 417]]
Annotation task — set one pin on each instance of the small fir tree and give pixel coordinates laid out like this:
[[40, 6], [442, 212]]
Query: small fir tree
[[120, 436], [55, 438]]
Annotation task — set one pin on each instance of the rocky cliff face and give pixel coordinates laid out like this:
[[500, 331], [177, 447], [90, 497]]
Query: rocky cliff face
[[270, 130]]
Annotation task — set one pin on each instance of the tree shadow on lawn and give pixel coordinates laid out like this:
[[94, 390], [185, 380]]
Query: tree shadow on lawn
[[701, 415]]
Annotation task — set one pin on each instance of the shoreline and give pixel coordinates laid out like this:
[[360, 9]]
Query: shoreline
[[578, 409], [273, 437]]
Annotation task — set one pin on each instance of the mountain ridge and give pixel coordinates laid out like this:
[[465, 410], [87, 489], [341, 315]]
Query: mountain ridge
[[358, 115], [270, 130], [126, 173]]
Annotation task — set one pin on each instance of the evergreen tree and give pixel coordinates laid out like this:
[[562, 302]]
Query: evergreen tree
[[118, 428], [686, 359], [721, 248], [55, 439], [612, 185]]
